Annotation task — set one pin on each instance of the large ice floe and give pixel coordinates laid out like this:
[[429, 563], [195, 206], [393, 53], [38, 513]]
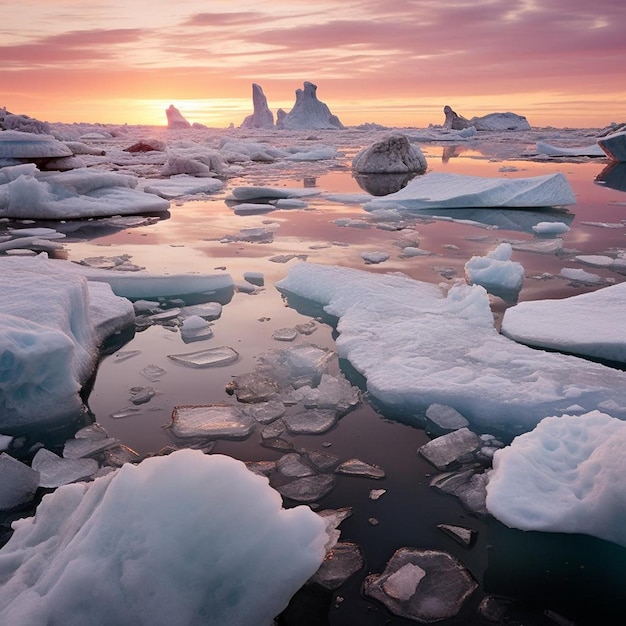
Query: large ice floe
[[187, 538], [54, 316], [417, 347], [589, 324], [564, 476], [438, 190], [27, 193]]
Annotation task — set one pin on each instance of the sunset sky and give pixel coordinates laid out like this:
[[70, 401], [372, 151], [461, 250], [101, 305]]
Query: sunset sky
[[558, 62]]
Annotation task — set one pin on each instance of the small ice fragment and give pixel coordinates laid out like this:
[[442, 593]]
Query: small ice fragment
[[18, 482], [141, 395], [127, 411], [550, 228], [356, 467], [341, 562], [207, 310], [212, 357], [463, 536], [195, 328], [55, 471], [540, 246], [291, 465], [402, 584], [307, 489], [119, 357], [93, 431], [253, 387], [119, 455], [446, 417], [153, 372], [80, 448], [375, 494], [285, 334], [307, 328], [212, 420], [254, 278], [322, 461], [310, 422], [445, 450], [372, 258], [273, 430], [267, 412]]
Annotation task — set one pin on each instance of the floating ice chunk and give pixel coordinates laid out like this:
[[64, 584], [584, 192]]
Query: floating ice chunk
[[212, 357], [437, 190], [373, 258], [581, 276], [429, 348], [321, 153], [593, 150], [253, 387], [588, 324], [310, 421], [18, 482], [290, 203], [213, 421], [153, 372], [94, 432], [81, 447], [410, 251], [450, 448], [128, 411], [500, 122], [595, 260], [141, 395], [252, 208], [564, 476], [299, 365], [333, 392], [375, 494], [182, 185], [439, 594], [285, 334], [446, 417], [207, 310], [341, 562], [463, 536], [117, 456], [550, 228], [307, 489], [195, 328], [224, 514], [614, 145], [356, 467], [540, 246], [496, 272], [55, 471], [291, 465], [5, 442], [267, 412], [254, 278], [15, 144]]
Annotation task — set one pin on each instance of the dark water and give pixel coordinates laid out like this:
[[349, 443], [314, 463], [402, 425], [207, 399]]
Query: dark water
[[581, 578]]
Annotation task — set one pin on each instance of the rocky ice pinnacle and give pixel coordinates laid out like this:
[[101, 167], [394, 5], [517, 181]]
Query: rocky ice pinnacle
[[309, 112], [262, 117], [453, 120], [175, 118]]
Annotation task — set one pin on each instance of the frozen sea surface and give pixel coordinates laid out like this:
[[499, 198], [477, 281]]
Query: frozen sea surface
[[577, 577]]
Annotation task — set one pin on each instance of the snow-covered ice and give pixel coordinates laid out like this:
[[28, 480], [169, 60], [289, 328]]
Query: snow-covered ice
[[614, 145], [438, 190], [549, 150], [416, 347], [496, 272], [589, 324], [118, 535], [564, 476]]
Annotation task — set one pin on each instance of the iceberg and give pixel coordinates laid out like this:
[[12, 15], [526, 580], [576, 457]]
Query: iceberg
[[614, 146], [438, 190], [230, 555], [392, 155], [500, 122], [261, 117], [417, 347], [588, 324], [175, 118], [309, 112], [564, 476]]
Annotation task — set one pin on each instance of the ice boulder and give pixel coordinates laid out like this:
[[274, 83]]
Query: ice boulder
[[564, 476], [309, 112], [27, 193], [187, 538], [416, 346], [51, 326], [175, 118], [392, 155], [261, 117], [439, 190], [588, 324], [614, 145], [496, 272], [500, 122]]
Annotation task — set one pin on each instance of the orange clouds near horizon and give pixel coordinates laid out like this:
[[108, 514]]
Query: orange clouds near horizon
[[557, 62]]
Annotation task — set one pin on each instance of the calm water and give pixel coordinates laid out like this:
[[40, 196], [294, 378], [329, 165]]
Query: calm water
[[579, 577]]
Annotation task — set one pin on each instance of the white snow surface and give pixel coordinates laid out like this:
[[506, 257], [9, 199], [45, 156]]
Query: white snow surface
[[417, 347], [496, 270], [18, 145], [589, 324], [593, 150], [187, 539], [27, 193], [564, 476], [438, 190]]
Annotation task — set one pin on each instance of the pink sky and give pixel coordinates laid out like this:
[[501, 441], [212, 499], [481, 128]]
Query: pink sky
[[558, 62]]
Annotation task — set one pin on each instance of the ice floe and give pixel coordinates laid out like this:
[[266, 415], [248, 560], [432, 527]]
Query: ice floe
[[564, 476], [417, 347], [116, 535], [593, 150], [614, 145]]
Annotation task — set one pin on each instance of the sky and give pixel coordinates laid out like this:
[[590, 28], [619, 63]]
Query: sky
[[557, 62]]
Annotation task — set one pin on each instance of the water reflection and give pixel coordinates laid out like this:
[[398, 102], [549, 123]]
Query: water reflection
[[383, 184], [614, 176]]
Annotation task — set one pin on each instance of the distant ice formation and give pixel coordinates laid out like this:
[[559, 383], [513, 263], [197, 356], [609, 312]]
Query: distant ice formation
[[500, 122], [391, 155], [564, 476], [262, 117], [187, 538], [309, 112], [22, 123], [453, 120], [175, 118]]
